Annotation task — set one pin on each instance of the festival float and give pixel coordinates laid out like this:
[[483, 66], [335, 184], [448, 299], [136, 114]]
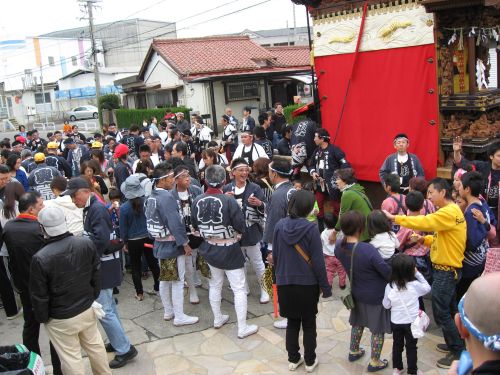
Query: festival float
[[427, 68]]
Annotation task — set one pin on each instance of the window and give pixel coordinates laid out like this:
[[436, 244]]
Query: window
[[241, 90], [39, 98], [74, 60], [51, 61]]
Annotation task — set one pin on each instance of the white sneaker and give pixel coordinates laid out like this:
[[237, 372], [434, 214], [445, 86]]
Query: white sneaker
[[247, 331], [264, 297], [313, 366], [396, 372], [224, 319], [186, 320], [168, 317], [280, 324], [293, 366]]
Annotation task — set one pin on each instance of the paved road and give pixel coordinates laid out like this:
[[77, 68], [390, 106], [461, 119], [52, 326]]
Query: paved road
[[200, 349]]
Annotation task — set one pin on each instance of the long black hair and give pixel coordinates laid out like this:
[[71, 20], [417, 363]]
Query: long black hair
[[137, 205], [403, 270]]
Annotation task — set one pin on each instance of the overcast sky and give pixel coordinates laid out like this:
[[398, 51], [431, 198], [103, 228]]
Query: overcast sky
[[21, 18]]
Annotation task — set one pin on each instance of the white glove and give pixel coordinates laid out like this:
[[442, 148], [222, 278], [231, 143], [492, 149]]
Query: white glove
[[98, 311]]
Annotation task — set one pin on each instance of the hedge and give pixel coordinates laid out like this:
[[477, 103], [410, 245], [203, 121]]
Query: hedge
[[109, 101], [127, 117], [287, 111]]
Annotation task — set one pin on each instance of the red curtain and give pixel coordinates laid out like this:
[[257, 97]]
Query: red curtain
[[389, 94]]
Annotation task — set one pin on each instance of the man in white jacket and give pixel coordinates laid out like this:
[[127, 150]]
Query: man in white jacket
[[73, 214]]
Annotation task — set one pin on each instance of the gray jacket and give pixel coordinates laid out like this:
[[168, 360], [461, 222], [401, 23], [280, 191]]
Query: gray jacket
[[254, 216], [277, 209], [218, 217], [390, 166], [165, 224]]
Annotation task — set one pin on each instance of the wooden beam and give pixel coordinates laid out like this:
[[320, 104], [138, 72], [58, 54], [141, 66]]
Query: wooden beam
[[471, 64]]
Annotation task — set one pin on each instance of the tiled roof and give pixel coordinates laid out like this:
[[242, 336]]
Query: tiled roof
[[224, 54], [290, 56], [214, 54]]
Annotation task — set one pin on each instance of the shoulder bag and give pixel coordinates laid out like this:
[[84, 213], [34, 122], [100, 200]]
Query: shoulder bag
[[348, 299], [421, 322]]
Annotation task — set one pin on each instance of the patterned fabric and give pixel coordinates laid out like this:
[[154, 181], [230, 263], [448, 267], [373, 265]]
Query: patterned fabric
[[376, 343], [168, 270], [356, 333]]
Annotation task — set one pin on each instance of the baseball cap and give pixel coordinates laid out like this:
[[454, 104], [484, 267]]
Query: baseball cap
[[121, 150], [52, 145], [39, 157], [96, 144], [74, 185], [53, 221]]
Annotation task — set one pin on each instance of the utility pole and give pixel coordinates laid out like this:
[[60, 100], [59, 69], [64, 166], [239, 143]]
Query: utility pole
[[89, 4]]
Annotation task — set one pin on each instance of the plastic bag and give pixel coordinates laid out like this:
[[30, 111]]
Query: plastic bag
[[420, 324]]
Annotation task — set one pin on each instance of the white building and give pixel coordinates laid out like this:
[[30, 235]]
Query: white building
[[25, 64]]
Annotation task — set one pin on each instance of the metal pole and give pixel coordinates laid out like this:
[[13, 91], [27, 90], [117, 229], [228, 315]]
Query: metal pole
[[94, 51]]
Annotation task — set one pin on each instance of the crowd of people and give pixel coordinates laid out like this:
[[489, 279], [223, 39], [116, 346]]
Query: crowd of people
[[168, 199]]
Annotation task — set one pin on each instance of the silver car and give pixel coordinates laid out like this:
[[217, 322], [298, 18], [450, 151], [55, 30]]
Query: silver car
[[82, 112]]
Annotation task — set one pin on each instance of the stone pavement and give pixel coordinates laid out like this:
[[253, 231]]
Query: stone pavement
[[200, 349]]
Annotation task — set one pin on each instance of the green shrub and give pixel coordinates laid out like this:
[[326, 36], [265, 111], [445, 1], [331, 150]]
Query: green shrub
[[110, 102], [287, 111], [127, 117]]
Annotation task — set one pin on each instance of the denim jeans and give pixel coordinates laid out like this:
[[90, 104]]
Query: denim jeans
[[444, 307], [112, 324]]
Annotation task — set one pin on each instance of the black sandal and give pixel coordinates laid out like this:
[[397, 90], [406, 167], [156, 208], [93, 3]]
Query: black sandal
[[379, 367], [355, 356]]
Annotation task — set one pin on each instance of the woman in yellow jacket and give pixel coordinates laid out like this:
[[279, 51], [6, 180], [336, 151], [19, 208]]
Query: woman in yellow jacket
[[447, 252]]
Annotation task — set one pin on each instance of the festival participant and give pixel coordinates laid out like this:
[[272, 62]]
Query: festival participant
[[14, 164], [121, 169], [36, 142], [478, 322], [97, 226], [259, 134], [72, 214], [401, 163], [181, 123], [300, 275], [280, 171], [251, 200], [56, 161], [302, 138], [232, 120], [447, 254], [219, 159], [248, 149], [185, 193], [278, 121], [41, 177], [490, 172], [229, 137], [63, 300], [476, 245], [91, 170], [153, 127], [284, 146], [76, 135], [133, 140], [171, 244], [134, 233], [248, 122], [369, 277], [326, 159], [220, 223], [353, 198], [77, 154], [180, 151], [23, 238]]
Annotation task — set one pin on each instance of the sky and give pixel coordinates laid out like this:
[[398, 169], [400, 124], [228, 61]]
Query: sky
[[25, 18]]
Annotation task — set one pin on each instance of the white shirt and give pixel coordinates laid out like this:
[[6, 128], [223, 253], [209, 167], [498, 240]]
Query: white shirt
[[402, 158], [386, 244], [328, 248], [257, 152], [396, 300], [155, 158]]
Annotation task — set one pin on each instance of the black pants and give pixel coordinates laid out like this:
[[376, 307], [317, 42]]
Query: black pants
[[6, 291], [402, 337], [136, 249], [463, 285], [31, 333], [309, 339]]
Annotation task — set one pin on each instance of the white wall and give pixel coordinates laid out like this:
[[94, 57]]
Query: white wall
[[87, 80], [158, 72]]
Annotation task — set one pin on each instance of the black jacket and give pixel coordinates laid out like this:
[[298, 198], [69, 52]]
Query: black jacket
[[60, 163], [488, 368], [23, 238], [122, 171], [65, 278], [98, 227]]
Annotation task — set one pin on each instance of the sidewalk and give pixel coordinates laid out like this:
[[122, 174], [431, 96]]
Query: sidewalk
[[200, 349]]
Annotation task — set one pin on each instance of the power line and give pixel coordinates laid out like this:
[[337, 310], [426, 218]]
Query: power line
[[19, 74]]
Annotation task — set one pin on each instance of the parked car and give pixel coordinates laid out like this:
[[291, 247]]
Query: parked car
[[82, 112]]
